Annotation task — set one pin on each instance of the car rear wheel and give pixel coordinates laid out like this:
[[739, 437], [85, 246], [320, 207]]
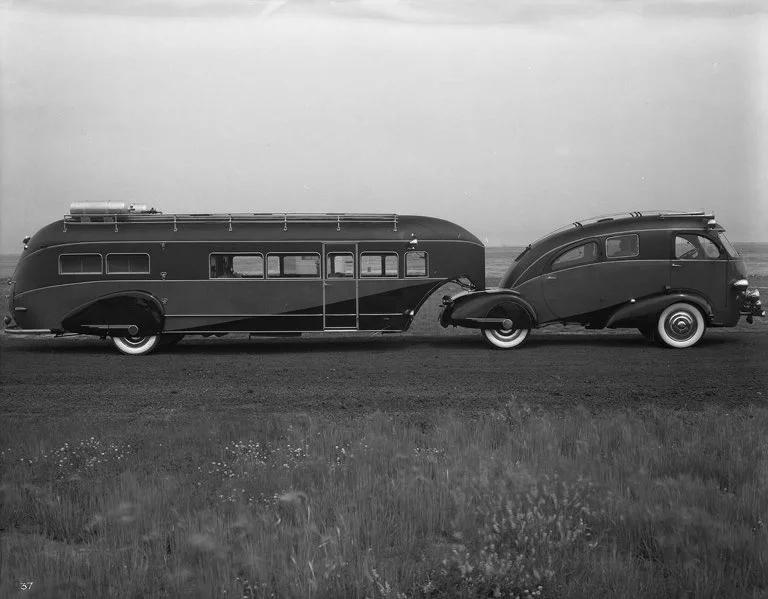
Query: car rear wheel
[[680, 325], [136, 346], [506, 338]]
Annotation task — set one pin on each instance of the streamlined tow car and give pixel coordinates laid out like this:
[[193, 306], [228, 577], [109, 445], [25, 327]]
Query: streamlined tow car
[[668, 274], [143, 278]]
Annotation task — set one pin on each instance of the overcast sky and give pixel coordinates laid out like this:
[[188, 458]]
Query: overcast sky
[[510, 118]]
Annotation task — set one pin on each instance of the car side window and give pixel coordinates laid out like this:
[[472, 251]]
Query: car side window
[[695, 247], [581, 254], [622, 246]]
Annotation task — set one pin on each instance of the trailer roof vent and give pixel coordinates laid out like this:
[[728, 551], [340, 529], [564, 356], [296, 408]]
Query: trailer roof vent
[[110, 208]]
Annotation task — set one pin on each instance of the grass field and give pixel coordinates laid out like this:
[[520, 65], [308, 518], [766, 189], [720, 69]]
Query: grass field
[[514, 503]]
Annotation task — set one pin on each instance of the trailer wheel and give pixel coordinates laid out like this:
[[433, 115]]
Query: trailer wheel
[[506, 338], [136, 346], [680, 325]]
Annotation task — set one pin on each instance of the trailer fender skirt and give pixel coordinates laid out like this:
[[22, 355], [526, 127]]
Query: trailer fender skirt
[[124, 313], [491, 310]]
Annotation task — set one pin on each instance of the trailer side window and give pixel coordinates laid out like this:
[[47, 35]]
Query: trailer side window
[[416, 264], [379, 265], [80, 264], [293, 266], [237, 266], [127, 264]]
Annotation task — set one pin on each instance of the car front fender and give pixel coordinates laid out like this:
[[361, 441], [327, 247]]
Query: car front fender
[[651, 306]]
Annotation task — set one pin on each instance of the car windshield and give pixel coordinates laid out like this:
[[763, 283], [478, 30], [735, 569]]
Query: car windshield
[[732, 252]]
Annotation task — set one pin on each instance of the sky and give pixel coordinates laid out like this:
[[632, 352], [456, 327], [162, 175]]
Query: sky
[[509, 118]]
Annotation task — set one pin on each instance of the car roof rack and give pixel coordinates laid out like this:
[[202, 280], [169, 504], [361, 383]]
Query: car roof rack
[[661, 214]]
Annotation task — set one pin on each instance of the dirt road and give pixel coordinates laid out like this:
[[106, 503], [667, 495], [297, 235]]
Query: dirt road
[[398, 373]]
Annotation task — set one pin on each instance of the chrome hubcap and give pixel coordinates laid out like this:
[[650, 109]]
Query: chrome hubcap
[[135, 341], [681, 325], [507, 335]]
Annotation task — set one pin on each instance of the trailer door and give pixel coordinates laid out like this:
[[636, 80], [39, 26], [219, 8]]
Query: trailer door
[[340, 306]]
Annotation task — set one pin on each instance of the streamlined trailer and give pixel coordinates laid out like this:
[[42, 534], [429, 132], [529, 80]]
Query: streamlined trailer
[[143, 278]]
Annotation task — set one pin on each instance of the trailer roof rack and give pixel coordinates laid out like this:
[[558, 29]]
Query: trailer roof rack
[[228, 219]]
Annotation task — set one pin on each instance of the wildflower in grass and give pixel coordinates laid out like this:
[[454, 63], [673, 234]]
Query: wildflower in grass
[[520, 538], [293, 506]]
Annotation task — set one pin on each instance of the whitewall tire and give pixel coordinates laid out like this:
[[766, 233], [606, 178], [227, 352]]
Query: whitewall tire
[[136, 346], [680, 325], [505, 339]]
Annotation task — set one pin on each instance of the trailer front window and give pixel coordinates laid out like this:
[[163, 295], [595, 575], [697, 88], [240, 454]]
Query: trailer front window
[[80, 264], [127, 264]]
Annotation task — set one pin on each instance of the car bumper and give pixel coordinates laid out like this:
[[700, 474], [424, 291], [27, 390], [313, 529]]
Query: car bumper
[[750, 304]]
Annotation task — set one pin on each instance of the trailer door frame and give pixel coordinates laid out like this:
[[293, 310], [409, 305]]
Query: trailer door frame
[[341, 303]]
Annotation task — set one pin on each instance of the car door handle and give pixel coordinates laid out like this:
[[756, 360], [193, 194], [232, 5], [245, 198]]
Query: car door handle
[[551, 277], [674, 265]]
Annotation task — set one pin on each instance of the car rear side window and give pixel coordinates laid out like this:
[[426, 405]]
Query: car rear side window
[[127, 264], [695, 247], [80, 264], [576, 256], [622, 246]]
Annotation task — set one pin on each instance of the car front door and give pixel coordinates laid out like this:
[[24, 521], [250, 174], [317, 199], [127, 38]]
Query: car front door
[[572, 285], [700, 266]]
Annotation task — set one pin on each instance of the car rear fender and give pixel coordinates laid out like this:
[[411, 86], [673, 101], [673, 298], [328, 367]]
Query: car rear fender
[[651, 306], [123, 313], [489, 309]]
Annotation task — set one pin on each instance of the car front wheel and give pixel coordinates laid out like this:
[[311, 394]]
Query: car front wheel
[[136, 346], [506, 338], [680, 325]]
